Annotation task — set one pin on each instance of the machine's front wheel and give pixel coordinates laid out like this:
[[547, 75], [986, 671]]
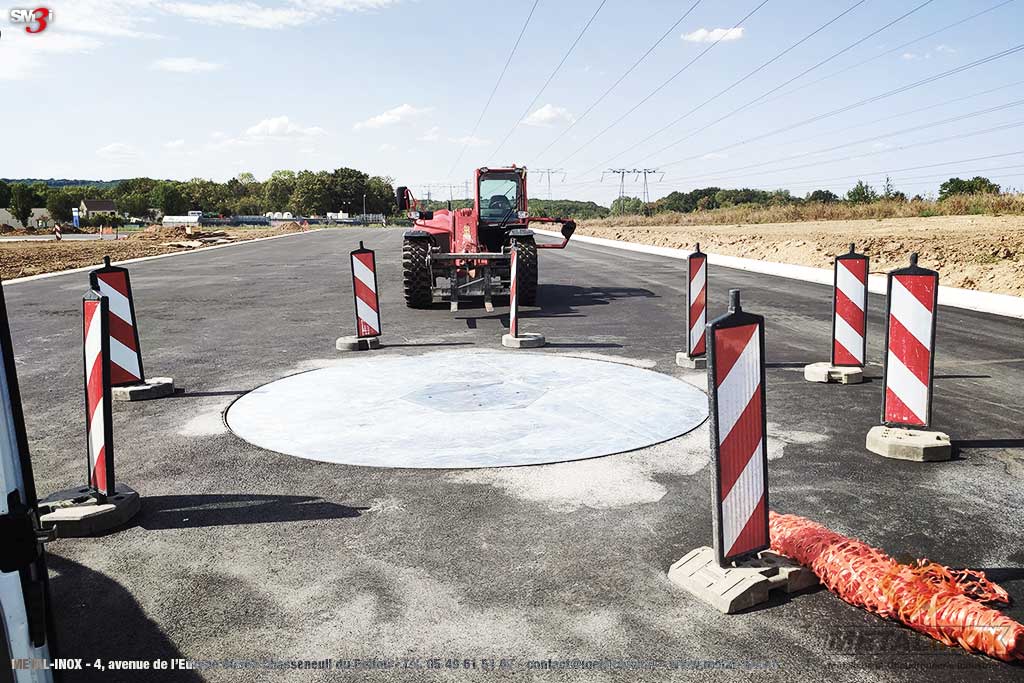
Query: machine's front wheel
[[527, 285], [416, 278]]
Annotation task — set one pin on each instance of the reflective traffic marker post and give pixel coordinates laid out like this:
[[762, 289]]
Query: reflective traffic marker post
[[102, 504], [515, 340], [696, 311], [909, 367], [739, 571], [127, 377], [849, 322], [738, 432], [365, 302]]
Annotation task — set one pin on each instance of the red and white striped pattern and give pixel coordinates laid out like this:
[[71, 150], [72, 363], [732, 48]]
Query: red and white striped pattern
[[364, 283], [513, 301], [908, 369], [849, 317], [97, 398], [741, 455], [125, 355], [697, 294]]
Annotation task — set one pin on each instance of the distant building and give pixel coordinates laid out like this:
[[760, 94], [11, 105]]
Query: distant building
[[92, 207], [40, 219]]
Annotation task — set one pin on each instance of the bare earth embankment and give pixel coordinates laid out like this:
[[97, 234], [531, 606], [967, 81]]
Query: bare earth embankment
[[21, 259], [973, 252]]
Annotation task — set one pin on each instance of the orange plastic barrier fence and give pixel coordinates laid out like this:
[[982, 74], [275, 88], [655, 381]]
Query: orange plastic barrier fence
[[947, 604]]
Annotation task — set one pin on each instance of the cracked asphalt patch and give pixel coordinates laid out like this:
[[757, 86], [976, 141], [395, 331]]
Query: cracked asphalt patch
[[243, 553]]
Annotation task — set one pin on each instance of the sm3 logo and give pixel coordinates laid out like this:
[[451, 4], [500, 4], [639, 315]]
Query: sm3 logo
[[35, 20]]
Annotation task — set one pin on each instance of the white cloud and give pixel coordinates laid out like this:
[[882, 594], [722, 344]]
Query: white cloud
[[254, 15], [281, 127], [710, 156], [174, 144], [432, 134], [946, 49], [910, 56], [247, 14], [470, 141], [392, 116], [548, 115], [703, 35], [386, 147], [117, 151], [185, 65], [21, 55]]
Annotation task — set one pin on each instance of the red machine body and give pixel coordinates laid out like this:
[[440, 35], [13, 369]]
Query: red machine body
[[454, 253]]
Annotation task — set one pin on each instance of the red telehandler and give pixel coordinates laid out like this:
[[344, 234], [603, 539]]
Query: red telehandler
[[449, 255]]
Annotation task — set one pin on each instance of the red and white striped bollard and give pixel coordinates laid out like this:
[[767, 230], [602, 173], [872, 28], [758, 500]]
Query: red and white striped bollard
[[849, 322], [909, 369], [514, 339], [127, 376], [696, 311], [366, 302]]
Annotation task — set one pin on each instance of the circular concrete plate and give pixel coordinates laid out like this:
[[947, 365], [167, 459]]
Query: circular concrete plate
[[458, 409]]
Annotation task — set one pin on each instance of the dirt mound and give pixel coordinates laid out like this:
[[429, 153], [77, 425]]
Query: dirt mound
[[291, 226]]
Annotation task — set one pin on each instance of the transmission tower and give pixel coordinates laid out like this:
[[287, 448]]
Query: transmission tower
[[548, 172], [621, 172], [646, 172]]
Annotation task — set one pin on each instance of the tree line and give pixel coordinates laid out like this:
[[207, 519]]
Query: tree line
[[303, 193]]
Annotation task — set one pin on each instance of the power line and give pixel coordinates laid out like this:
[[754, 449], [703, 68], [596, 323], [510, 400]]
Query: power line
[[888, 52], [664, 84], [621, 172], [547, 172], [783, 85], [860, 103], [714, 97], [875, 138], [495, 89], [621, 78], [547, 82]]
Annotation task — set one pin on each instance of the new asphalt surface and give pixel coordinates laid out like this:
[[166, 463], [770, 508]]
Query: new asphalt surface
[[244, 554]]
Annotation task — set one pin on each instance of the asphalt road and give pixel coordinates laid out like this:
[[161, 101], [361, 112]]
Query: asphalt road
[[242, 553]]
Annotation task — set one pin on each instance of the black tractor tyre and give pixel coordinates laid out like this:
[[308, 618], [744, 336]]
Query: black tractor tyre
[[527, 285], [416, 278]]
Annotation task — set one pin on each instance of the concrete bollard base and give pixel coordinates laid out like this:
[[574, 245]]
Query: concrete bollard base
[[825, 372], [685, 360], [77, 512], [357, 343], [740, 587], [529, 340], [154, 387], [909, 444]]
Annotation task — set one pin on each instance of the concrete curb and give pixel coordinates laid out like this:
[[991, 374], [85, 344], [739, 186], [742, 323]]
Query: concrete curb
[[984, 302], [86, 269]]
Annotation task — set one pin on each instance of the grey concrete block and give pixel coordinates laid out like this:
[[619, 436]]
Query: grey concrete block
[[154, 387], [909, 444], [528, 340], [357, 343], [75, 512], [684, 360], [745, 585], [826, 372]]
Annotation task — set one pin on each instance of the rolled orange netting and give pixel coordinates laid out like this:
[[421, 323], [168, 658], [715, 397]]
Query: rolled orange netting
[[949, 605]]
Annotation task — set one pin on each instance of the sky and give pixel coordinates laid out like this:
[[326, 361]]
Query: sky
[[403, 88]]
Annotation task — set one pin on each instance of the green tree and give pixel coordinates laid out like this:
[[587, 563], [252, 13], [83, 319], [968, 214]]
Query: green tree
[[278, 189], [5, 194], [167, 197], [314, 193], [59, 203], [627, 205], [136, 205], [861, 193], [976, 185], [23, 200], [823, 197]]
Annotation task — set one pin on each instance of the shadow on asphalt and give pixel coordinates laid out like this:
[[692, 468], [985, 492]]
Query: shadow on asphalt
[[390, 346], [187, 512], [588, 345], [558, 299], [988, 443], [96, 618], [181, 393]]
